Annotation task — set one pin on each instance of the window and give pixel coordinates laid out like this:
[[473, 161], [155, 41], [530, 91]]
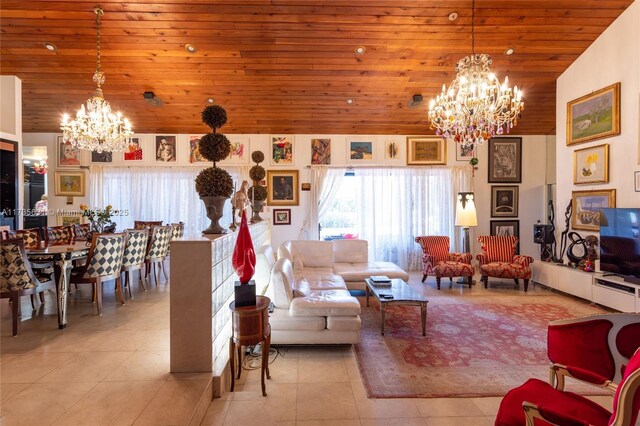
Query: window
[[342, 219]]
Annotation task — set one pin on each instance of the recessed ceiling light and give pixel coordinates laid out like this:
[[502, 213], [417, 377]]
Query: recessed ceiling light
[[509, 51], [453, 16], [190, 48], [210, 100], [360, 50], [349, 101], [50, 47]]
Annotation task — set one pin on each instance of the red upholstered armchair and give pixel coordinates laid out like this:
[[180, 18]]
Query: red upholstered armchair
[[538, 403], [437, 260], [594, 349], [498, 260]]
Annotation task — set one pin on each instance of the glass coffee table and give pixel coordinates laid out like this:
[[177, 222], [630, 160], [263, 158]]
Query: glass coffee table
[[398, 293]]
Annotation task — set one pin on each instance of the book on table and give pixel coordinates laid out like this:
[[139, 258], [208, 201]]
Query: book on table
[[380, 280]]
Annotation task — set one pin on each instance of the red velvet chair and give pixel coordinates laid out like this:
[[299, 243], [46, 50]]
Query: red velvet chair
[[499, 260], [437, 260], [594, 349], [538, 403]]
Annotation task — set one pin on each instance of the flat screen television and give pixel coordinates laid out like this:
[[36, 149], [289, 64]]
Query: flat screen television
[[620, 243]]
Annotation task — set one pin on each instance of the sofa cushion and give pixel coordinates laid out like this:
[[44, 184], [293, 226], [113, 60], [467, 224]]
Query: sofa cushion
[[284, 251], [264, 263], [281, 283], [360, 271], [350, 251], [350, 323], [325, 303], [314, 254], [281, 319], [298, 264], [325, 281], [301, 288]]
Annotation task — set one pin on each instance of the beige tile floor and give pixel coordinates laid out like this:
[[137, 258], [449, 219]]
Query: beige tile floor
[[113, 370]]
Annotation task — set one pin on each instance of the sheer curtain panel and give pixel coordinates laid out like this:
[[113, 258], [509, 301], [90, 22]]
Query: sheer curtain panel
[[325, 183]]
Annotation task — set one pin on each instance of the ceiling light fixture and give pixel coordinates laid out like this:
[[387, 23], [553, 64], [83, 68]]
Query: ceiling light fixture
[[416, 101], [349, 101], [509, 51], [453, 16], [152, 99], [210, 100], [476, 106], [190, 48], [50, 47], [360, 50], [96, 128]]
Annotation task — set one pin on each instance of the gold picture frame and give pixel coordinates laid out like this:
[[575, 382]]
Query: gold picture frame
[[283, 188], [426, 151], [70, 184], [70, 219], [591, 165], [587, 205], [594, 116]]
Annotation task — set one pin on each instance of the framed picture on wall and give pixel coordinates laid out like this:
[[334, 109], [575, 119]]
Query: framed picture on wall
[[506, 228], [281, 150], [465, 151], [68, 156], [71, 184], [505, 160], [426, 150], [194, 150], [594, 116], [282, 188], [101, 157], [504, 201], [66, 220], [134, 150], [166, 149], [391, 150], [587, 205], [321, 151], [240, 151], [591, 165], [282, 216], [360, 150], [636, 179]]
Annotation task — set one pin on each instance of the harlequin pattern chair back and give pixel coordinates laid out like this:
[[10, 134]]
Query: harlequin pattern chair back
[[435, 246], [135, 247], [31, 237], [498, 249], [159, 244], [145, 224], [177, 231], [59, 235], [105, 255], [15, 271], [81, 231]]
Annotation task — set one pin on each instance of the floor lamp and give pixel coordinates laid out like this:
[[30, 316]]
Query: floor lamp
[[466, 217]]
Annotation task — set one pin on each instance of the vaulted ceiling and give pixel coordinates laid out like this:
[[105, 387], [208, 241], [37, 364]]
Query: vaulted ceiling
[[288, 66]]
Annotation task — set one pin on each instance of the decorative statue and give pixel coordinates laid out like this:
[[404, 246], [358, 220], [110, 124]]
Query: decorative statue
[[563, 236], [577, 244], [240, 200], [591, 241], [553, 252]]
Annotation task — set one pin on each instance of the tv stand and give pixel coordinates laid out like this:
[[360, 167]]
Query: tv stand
[[613, 291]]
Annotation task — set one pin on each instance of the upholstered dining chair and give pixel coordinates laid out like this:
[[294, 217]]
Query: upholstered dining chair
[[59, 235], [536, 402], [17, 278], [104, 263], [135, 249], [81, 231], [31, 237], [145, 224], [177, 230], [499, 260], [436, 260], [157, 250]]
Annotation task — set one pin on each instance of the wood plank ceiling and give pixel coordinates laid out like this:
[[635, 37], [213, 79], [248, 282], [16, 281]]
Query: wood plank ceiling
[[288, 66]]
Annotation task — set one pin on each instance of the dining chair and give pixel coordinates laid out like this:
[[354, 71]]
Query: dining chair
[[3, 232], [17, 278], [33, 240], [104, 263], [177, 230], [59, 235], [135, 249], [81, 231], [145, 224], [157, 250]]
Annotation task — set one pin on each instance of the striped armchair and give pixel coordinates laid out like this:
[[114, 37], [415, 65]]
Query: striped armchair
[[498, 260], [437, 260]]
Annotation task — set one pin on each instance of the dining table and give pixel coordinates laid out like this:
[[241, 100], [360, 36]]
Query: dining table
[[62, 257]]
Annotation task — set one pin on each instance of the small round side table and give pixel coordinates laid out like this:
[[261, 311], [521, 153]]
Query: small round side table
[[250, 326]]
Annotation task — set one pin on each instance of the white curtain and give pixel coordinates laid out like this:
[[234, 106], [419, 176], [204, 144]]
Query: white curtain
[[397, 205], [155, 193], [325, 183], [96, 186]]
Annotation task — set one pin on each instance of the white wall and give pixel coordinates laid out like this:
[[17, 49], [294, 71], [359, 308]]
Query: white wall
[[11, 123], [613, 57]]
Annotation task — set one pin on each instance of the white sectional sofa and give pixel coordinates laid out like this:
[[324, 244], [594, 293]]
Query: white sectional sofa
[[312, 301]]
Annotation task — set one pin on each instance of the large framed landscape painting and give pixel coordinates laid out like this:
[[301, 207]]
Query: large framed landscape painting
[[426, 151], [587, 205], [594, 116], [505, 160]]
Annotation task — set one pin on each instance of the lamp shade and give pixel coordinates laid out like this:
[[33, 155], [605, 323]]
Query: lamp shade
[[466, 210]]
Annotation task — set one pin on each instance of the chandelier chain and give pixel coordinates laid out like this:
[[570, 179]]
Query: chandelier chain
[[99, 13], [473, 27]]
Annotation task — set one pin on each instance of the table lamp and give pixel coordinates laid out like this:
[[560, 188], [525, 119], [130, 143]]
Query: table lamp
[[466, 217]]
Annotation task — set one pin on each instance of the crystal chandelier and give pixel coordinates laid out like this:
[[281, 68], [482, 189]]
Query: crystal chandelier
[[476, 106], [95, 127]]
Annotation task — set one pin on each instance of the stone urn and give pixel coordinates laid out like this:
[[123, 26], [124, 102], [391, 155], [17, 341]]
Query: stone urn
[[256, 208], [214, 207]]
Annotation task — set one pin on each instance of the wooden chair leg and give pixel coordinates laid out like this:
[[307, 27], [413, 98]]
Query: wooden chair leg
[[33, 302], [147, 266], [155, 272], [438, 281], [42, 297], [526, 285], [15, 305], [424, 277], [164, 270], [485, 280], [141, 280], [470, 280], [119, 290], [517, 282], [98, 292], [127, 278]]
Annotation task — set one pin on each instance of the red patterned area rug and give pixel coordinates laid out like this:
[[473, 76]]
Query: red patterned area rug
[[475, 345]]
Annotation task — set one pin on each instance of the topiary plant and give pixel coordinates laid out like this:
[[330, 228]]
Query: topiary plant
[[257, 157], [214, 147], [260, 193], [214, 116], [214, 182], [257, 173]]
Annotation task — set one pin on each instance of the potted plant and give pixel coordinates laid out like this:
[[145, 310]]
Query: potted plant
[[257, 193], [213, 184]]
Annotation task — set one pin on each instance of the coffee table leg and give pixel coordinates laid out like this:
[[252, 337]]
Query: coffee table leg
[[382, 306], [423, 314], [366, 291]]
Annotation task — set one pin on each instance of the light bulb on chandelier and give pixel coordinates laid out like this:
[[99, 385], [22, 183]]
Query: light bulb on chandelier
[[476, 106], [95, 127]]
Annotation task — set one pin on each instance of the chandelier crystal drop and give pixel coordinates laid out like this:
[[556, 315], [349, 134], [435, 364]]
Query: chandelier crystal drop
[[95, 127], [476, 106]]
